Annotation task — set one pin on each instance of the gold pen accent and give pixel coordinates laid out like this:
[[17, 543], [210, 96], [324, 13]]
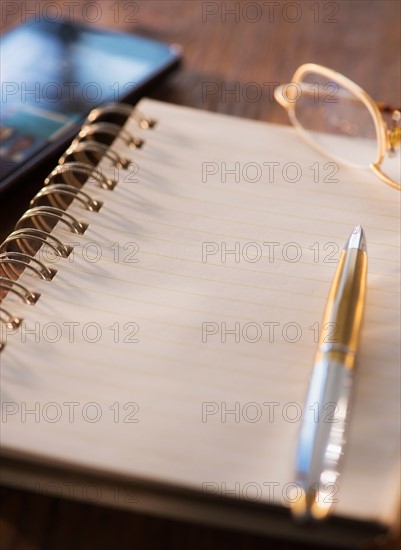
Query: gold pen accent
[[326, 412]]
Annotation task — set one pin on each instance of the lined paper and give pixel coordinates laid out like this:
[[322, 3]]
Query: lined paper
[[155, 354]]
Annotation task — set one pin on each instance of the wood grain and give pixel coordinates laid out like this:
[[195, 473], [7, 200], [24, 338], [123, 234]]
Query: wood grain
[[235, 53]]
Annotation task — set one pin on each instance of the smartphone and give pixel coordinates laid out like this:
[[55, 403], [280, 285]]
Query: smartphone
[[53, 73]]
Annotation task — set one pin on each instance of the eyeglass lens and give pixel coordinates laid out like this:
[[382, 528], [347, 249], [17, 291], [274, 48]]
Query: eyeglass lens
[[335, 119]]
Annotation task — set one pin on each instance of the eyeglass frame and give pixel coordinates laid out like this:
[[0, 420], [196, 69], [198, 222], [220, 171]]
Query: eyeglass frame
[[374, 108]]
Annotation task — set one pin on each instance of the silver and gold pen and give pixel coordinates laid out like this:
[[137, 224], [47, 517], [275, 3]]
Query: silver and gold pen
[[326, 412]]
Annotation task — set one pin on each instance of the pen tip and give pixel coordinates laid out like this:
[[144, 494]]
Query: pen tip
[[357, 239]]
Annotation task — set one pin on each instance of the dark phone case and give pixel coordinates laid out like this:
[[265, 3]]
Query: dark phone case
[[57, 146]]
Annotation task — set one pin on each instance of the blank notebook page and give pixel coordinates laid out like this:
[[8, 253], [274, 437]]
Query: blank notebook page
[[158, 354]]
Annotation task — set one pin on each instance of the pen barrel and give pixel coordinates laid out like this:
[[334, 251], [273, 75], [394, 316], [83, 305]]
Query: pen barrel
[[344, 310], [323, 434]]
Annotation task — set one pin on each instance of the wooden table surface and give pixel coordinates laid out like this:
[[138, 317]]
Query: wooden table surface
[[248, 47]]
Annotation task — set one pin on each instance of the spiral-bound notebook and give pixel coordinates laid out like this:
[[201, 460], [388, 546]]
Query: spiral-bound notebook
[[158, 345]]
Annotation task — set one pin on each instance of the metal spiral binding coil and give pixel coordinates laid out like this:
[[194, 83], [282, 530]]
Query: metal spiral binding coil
[[39, 237], [80, 168], [38, 212], [60, 193], [123, 110], [28, 296], [8, 261], [112, 131], [9, 322], [54, 191], [95, 147]]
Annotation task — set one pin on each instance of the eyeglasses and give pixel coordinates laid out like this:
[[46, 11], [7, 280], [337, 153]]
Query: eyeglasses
[[340, 119]]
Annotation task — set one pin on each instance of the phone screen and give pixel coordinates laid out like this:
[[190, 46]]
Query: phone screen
[[54, 73]]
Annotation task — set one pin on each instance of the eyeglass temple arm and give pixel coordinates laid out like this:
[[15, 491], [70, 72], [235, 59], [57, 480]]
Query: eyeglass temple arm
[[386, 108]]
